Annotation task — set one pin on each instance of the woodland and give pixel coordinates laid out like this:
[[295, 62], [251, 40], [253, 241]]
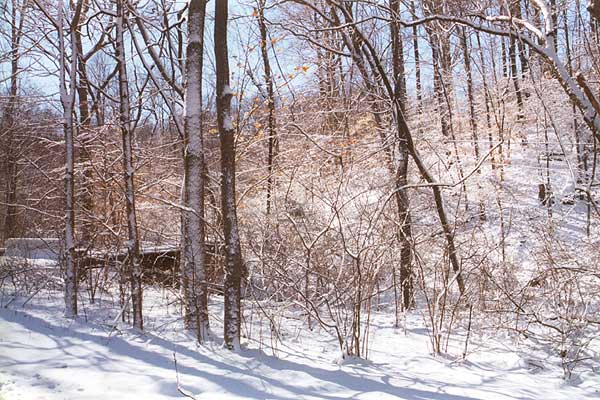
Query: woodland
[[399, 186]]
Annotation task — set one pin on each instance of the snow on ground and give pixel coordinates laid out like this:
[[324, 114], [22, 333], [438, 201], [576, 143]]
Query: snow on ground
[[44, 356]]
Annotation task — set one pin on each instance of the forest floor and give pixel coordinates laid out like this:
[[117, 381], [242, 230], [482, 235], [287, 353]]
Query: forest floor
[[45, 356]]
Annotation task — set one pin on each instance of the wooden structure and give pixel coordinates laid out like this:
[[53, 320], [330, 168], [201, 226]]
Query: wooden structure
[[160, 264]]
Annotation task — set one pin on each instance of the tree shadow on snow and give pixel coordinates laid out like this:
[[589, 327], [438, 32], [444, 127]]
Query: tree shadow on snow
[[249, 382]]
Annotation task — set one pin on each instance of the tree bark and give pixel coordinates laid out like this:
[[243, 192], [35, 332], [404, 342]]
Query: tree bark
[[67, 97], [470, 92], [418, 84], [397, 53], [402, 200], [580, 147], [272, 122], [133, 245], [9, 126], [487, 99], [233, 253], [503, 54], [439, 84], [514, 74], [85, 120], [193, 235]]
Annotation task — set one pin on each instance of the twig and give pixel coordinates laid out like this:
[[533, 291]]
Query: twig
[[315, 143], [179, 388], [454, 184], [468, 331]]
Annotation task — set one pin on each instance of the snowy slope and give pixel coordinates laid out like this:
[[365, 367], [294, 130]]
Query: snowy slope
[[43, 356]]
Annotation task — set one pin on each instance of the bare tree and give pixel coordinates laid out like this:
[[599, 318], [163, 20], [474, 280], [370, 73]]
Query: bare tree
[[272, 120], [233, 251], [8, 120], [133, 243], [465, 44], [85, 123], [193, 236], [541, 39], [67, 67], [402, 200], [418, 83]]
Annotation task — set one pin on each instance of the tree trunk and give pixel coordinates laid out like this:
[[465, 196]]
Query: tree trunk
[[444, 89], [273, 141], [402, 200], [512, 51], [439, 84], [554, 17], [418, 84], [193, 236], [8, 126], [397, 53], [133, 245], [472, 116], [439, 203], [87, 199], [233, 253], [67, 97], [486, 92], [504, 64], [515, 11], [470, 92]]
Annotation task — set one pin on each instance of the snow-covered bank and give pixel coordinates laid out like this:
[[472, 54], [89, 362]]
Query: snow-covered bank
[[43, 356]]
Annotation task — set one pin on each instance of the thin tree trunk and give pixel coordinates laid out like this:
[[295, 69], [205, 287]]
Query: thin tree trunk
[[87, 199], [418, 84], [438, 84], [67, 96], [515, 11], [441, 211], [512, 51], [503, 54], [470, 92], [133, 245], [402, 200], [554, 17], [358, 56], [193, 236], [397, 53], [233, 253], [443, 87], [472, 116], [272, 122], [580, 147], [10, 213], [486, 93]]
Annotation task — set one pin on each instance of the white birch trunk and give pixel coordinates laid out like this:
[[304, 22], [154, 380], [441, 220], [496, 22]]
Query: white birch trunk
[[193, 237], [67, 98]]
